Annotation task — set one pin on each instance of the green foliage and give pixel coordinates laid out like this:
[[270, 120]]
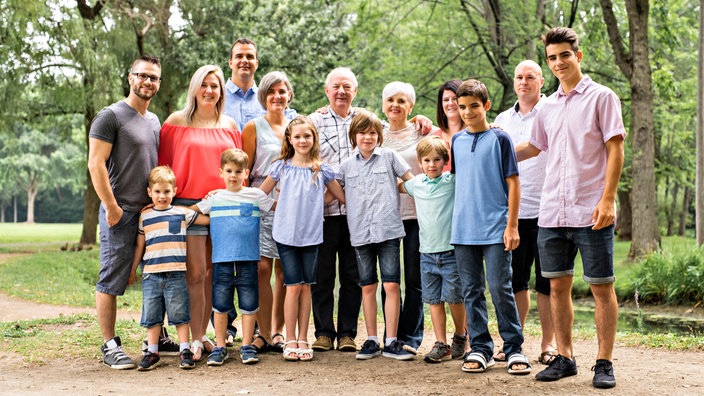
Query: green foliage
[[671, 278]]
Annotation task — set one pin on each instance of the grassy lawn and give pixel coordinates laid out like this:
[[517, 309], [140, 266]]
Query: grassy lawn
[[52, 276]]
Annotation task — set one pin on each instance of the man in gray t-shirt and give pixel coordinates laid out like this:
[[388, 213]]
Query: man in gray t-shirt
[[122, 149]]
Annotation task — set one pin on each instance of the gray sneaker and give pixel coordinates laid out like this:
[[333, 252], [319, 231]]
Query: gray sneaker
[[114, 357], [459, 343], [438, 353]]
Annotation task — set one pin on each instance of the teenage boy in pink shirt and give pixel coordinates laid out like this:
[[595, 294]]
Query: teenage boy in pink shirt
[[581, 130]]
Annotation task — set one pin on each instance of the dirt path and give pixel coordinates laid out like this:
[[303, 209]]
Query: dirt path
[[638, 371]]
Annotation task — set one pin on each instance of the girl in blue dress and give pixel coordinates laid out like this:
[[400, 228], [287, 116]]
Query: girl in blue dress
[[298, 225]]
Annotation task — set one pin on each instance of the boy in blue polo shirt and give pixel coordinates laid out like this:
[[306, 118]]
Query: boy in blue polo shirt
[[434, 195], [485, 228]]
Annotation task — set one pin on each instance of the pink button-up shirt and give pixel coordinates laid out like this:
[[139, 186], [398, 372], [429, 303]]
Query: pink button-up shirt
[[573, 128]]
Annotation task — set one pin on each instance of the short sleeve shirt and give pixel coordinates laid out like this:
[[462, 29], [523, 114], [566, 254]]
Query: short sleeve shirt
[[372, 196], [234, 223], [572, 128], [434, 199], [165, 236]]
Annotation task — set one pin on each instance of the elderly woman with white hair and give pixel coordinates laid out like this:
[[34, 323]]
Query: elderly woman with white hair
[[402, 136]]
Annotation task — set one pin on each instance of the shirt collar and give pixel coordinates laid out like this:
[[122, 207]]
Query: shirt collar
[[535, 108], [580, 88], [234, 88]]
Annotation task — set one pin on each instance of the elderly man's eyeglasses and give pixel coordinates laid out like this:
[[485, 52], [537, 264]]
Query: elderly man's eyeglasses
[[145, 77]]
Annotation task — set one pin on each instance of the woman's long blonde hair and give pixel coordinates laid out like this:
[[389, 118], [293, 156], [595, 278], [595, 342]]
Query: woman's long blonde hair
[[193, 88], [287, 150]]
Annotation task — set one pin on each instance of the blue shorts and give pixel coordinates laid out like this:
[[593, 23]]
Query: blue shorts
[[117, 244], [558, 249], [165, 292], [389, 257], [299, 264], [241, 275], [193, 229], [440, 278]]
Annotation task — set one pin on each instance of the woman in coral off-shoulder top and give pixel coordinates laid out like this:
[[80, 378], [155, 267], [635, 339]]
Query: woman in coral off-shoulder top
[[191, 142]]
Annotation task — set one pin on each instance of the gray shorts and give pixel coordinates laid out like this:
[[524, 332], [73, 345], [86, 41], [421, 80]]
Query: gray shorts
[[267, 246], [117, 245]]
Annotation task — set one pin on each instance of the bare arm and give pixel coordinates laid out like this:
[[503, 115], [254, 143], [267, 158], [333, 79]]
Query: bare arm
[[202, 220], [407, 176], [98, 153], [336, 191], [138, 254], [525, 151], [268, 185], [402, 188], [249, 145], [511, 237], [604, 213]]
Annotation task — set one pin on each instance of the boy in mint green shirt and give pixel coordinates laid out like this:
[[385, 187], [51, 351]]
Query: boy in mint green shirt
[[434, 196]]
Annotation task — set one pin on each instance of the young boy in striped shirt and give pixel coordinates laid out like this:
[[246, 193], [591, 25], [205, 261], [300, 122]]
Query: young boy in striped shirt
[[161, 247]]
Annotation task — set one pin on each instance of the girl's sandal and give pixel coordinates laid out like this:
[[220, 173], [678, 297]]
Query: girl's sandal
[[290, 354], [208, 344], [197, 349], [305, 354]]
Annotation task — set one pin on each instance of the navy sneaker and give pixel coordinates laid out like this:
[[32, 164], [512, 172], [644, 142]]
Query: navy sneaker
[[217, 357], [603, 374], [248, 354], [186, 361], [560, 367], [395, 350], [149, 362], [167, 346], [369, 350]]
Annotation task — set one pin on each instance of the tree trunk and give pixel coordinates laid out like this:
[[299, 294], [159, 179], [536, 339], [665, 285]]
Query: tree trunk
[[624, 226], [31, 196], [90, 207], [686, 203], [14, 209], [672, 211]]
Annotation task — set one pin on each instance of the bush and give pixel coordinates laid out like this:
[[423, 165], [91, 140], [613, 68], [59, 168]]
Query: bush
[[673, 279]]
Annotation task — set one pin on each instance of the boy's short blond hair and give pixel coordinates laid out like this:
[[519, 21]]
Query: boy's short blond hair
[[234, 156], [363, 121], [162, 174], [432, 144], [474, 88]]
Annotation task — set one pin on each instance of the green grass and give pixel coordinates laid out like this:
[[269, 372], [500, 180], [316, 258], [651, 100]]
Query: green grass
[[23, 233], [60, 277]]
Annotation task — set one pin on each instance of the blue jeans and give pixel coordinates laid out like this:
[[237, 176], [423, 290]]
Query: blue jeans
[[299, 263], [165, 292], [388, 255], [441, 280], [241, 275], [558, 248], [498, 269]]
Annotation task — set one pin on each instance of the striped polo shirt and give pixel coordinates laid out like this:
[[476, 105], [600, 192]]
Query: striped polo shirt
[[165, 236]]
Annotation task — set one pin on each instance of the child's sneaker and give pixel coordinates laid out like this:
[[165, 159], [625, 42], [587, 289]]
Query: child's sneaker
[[149, 362], [459, 343], [113, 355], [438, 353], [186, 361], [395, 351], [369, 350], [167, 346], [217, 356], [248, 354]]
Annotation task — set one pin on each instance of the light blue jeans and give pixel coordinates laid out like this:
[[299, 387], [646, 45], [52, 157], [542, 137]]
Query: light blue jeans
[[470, 264]]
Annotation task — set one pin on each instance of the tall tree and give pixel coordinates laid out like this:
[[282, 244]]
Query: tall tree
[[634, 63]]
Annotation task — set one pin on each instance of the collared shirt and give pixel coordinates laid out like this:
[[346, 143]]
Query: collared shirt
[[335, 146], [434, 199], [244, 106], [372, 196], [573, 128], [532, 171]]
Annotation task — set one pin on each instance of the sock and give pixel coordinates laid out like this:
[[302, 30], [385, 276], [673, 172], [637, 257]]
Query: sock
[[374, 338], [153, 348], [389, 341], [182, 346]]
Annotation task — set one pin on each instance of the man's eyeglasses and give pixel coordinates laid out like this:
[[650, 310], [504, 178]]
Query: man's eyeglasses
[[145, 77]]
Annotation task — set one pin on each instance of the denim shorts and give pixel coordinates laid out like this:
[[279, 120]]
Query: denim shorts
[[299, 264], [241, 275], [440, 278], [389, 257], [193, 229], [117, 245], [559, 246], [165, 292]]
